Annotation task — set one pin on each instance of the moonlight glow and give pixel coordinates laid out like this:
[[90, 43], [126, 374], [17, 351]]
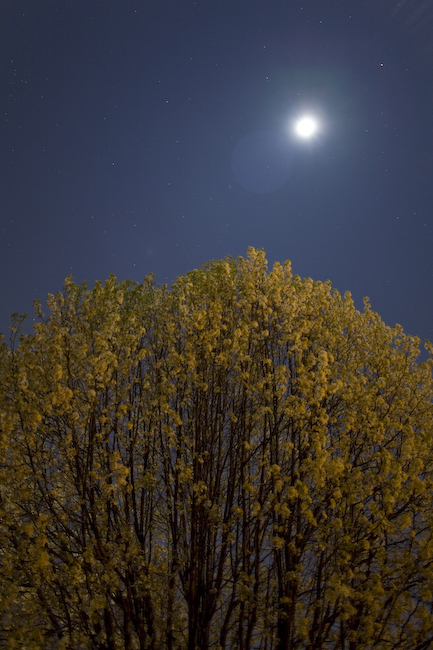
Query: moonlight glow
[[306, 127]]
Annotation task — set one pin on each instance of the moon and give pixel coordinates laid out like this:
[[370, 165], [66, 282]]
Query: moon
[[305, 127]]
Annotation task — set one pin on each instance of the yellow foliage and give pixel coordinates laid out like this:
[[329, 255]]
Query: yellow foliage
[[245, 446], [278, 542]]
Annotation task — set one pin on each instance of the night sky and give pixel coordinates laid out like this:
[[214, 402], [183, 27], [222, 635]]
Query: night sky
[[154, 135]]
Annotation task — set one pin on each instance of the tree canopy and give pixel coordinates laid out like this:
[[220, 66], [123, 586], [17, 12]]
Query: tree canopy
[[244, 461]]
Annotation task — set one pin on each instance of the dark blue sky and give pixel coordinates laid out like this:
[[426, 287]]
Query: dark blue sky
[[120, 118]]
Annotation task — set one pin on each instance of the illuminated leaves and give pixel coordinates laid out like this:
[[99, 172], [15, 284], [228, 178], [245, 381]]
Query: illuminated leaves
[[244, 460]]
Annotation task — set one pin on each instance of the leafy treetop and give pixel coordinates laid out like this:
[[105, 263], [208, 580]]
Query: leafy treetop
[[243, 461]]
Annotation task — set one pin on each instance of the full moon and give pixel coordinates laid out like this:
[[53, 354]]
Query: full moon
[[306, 127]]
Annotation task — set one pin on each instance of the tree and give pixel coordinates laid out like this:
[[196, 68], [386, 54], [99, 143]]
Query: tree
[[243, 461]]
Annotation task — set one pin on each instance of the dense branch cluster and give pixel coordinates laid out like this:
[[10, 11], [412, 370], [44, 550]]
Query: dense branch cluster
[[241, 462]]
